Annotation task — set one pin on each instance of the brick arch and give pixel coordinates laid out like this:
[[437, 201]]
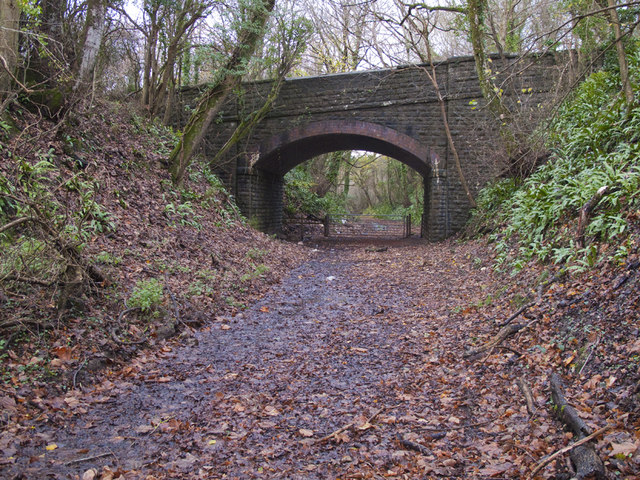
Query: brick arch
[[282, 152]]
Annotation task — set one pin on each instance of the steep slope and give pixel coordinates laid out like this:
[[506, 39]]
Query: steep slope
[[109, 257]]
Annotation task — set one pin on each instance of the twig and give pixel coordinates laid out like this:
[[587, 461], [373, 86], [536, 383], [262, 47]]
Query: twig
[[347, 427], [509, 349], [496, 340], [459, 427], [5, 66], [75, 374], [122, 342], [34, 281], [593, 349], [124, 312], [86, 459], [549, 459], [14, 223], [23, 323]]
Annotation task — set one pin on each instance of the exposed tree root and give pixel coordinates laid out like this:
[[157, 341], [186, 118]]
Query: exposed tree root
[[347, 427]]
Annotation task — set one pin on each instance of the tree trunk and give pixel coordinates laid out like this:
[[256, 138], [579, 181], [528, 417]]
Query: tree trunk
[[622, 58], [246, 126], [347, 180], [9, 28], [91, 43], [167, 76], [168, 108], [149, 60], [209, 106], [475, 15]]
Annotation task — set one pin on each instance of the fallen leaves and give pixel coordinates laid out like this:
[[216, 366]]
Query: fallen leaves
[[327, 382]]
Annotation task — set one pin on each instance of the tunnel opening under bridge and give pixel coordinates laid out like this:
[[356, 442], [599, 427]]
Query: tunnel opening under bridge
[[260, 182]]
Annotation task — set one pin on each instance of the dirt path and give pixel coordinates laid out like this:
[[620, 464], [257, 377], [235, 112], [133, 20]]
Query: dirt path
[[356, 339]]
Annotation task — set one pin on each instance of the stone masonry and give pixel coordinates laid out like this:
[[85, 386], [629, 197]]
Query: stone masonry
[[394, 112]]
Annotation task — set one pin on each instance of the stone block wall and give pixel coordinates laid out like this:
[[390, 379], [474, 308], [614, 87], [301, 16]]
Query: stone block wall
[[402, 99]]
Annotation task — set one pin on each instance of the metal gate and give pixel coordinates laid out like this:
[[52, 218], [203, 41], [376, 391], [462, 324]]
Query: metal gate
[[353, 225]]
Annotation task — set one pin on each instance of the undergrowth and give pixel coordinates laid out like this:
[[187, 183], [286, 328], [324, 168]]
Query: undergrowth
[[594, 143], [300, 198]]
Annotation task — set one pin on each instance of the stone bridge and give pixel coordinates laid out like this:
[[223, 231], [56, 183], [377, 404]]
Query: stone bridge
[[394, 112]]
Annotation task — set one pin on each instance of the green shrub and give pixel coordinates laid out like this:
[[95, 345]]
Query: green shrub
[[257, 272], [299, 196], [594, 140], [146, 294]]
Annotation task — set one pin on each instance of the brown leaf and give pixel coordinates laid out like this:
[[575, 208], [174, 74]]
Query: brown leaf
[[271, 411], [63, 353], [90, 474], [625, 448], [495, 470]]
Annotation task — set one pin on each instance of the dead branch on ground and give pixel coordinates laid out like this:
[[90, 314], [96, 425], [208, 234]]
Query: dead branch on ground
[[585, 214], [515, 315], [545, 461], [525, 389], [500, 337], [176, 310], [347, 427], [584, 457], [414, 446]]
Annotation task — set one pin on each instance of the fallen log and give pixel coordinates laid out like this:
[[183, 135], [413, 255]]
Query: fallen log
[[584, 457], [547, 460], [500, 337]]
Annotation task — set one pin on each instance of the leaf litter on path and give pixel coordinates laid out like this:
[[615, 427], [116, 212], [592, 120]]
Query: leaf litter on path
[[359, 377]]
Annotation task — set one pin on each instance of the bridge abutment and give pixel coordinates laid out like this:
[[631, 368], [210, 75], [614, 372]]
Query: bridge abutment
[[259, 195], [436, 221]]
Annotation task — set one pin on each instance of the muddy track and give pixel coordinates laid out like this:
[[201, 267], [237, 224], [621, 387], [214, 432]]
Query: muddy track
[[337, 343]]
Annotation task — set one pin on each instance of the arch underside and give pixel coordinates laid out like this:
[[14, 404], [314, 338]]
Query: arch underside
[[283, 152]]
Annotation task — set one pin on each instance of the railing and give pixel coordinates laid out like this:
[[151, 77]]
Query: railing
[[353, 225]]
